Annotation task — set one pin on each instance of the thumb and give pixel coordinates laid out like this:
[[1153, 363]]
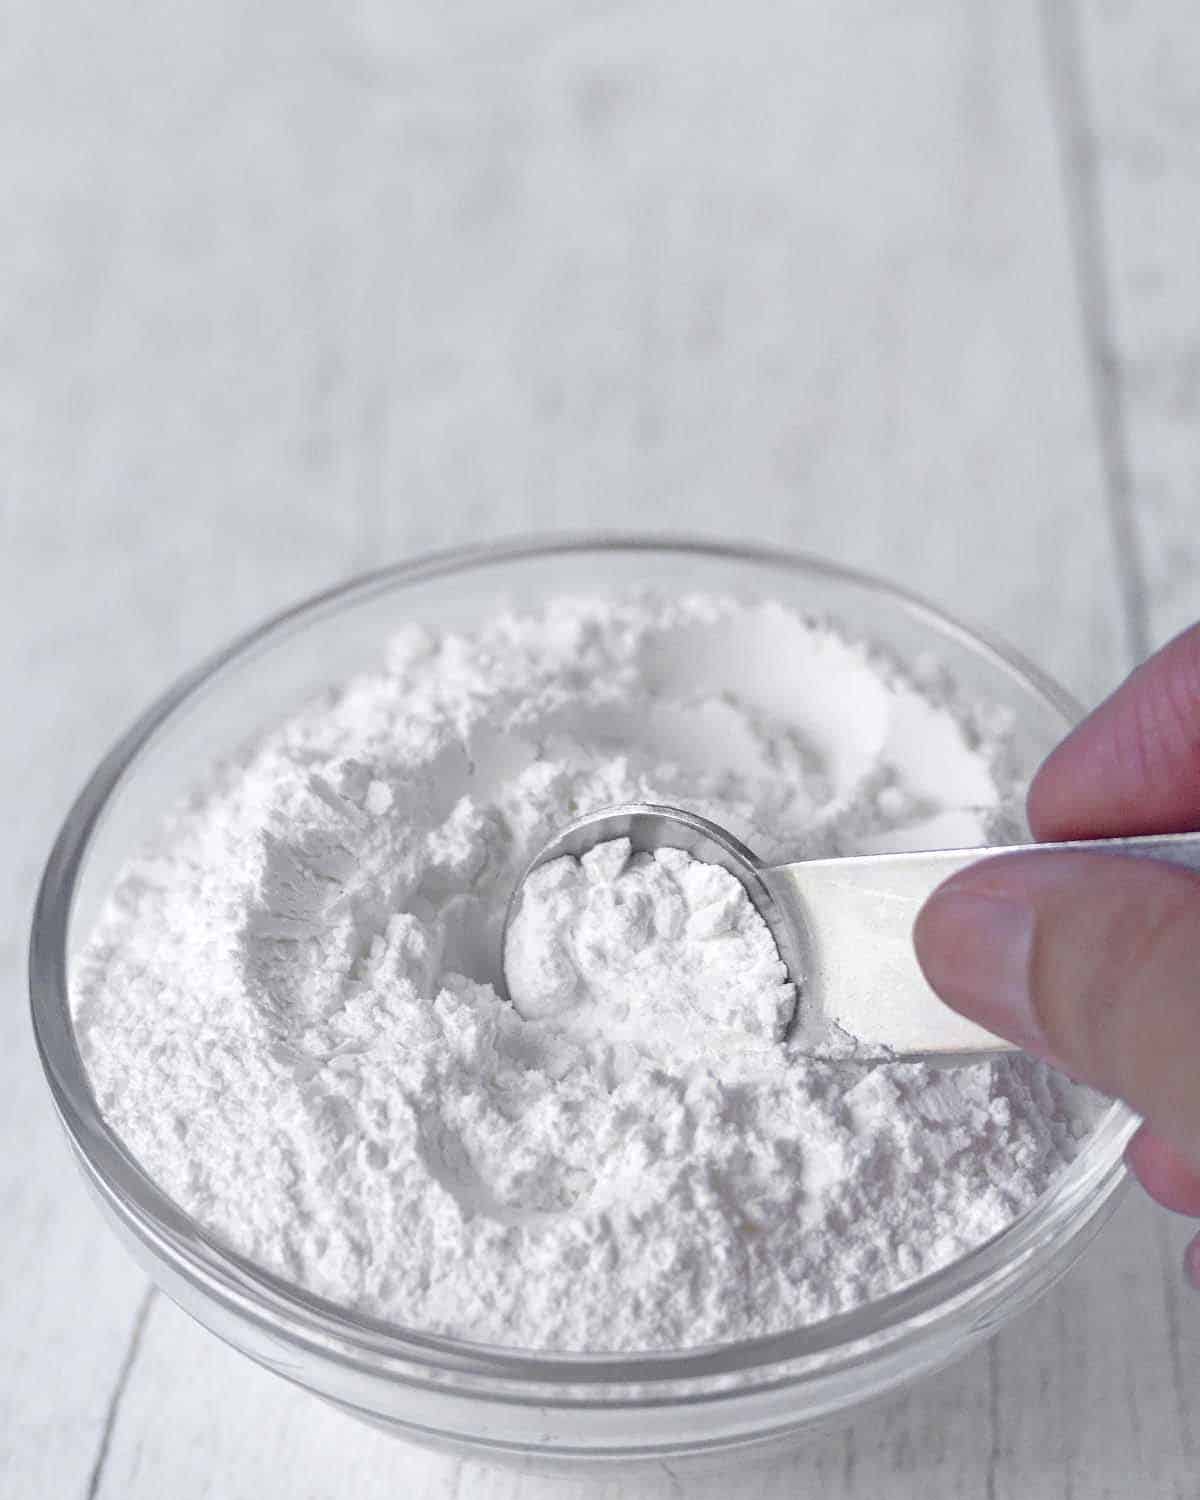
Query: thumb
[[1091, 961]]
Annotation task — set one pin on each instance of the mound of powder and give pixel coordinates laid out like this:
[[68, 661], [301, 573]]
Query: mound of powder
[[665, 953], [290, 1009]]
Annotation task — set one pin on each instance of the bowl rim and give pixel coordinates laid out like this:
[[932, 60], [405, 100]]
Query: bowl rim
[[1079, 1202]]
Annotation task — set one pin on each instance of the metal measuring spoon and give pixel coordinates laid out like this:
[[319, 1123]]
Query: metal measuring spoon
[[843, 926]]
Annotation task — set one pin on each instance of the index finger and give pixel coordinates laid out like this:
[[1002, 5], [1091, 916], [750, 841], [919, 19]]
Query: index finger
[[1133, 765]]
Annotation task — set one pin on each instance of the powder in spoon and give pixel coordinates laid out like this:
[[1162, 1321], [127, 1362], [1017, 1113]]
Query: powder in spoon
[[288, 1007], [662, 951]]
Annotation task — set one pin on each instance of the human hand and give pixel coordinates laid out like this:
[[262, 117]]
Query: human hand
[[1092, 961]]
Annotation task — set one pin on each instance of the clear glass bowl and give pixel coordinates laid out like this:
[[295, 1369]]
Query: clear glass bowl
[[562, 1411]]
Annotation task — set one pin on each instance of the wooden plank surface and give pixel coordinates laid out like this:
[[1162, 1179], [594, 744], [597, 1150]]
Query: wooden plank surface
[[1142, 73], [292, 291]]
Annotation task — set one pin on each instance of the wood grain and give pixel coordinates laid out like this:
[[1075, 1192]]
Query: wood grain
[[1143, 78], [290, 291]]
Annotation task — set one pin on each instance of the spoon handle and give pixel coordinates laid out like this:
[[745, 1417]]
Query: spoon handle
[[855, 918]]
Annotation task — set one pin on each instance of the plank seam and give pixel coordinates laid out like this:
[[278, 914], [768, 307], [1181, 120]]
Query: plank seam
[[120, 1385], [1171, 1279], [1074, 129], [992, 1472]]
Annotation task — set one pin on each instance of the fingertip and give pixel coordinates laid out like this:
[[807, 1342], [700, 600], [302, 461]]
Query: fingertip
[[974, 946], [1171, 1180], [1133, 764], [1165, 1173], [1052, 802]]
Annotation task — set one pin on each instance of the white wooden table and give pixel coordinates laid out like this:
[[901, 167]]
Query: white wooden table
[[291, 288]]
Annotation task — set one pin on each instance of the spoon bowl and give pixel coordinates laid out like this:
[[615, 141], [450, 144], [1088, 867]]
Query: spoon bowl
[[649, 826]]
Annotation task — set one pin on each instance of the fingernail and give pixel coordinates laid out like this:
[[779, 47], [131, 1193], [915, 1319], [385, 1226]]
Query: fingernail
[[976, 950]]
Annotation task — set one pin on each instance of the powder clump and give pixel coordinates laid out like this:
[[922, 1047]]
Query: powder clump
[[290, 1011]]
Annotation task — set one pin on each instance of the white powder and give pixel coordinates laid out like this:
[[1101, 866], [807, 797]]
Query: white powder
[[287, 1009], [664, 953]]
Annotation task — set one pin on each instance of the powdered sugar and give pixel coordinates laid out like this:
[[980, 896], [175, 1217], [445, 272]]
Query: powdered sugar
[[288, 1008], [661, 952]]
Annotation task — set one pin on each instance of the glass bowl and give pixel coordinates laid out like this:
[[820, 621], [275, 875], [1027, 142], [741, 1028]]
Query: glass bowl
[[566, 1411]]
